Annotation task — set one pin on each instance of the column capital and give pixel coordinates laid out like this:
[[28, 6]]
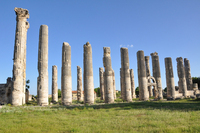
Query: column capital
[[21, 13]]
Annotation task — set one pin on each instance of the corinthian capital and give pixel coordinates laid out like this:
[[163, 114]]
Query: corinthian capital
[[21, 13]]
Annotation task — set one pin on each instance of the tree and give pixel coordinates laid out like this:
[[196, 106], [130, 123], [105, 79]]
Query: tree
[[165, 90], [118, 95], [137, 91], [97, 90], [59, 93], [27, 84]]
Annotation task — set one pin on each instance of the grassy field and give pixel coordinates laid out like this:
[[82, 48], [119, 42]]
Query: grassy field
[[157, 116]]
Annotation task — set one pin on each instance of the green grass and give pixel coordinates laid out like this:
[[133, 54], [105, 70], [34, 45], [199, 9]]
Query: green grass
[[152, 116]]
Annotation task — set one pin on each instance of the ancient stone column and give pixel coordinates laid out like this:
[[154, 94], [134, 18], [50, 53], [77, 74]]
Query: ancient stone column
[[108, 76], [181, 74], [122, 84], [66, 76], [88, 74], [171, 95], [54, 84], [19, 60], [188, 74], [114, 87], [42, 80], [142, 79], [101, 81], [79, 84], [132, 84], [148, 74], [156, 73], [126, 74]]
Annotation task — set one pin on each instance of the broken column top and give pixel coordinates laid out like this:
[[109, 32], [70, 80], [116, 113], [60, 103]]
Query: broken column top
[[123, 48], [78, 67], [154, 54], [179, 59], [54, 66], [106, 51], [146, 57], [21, 13], [185, 59], [66, 44], [87, 44]]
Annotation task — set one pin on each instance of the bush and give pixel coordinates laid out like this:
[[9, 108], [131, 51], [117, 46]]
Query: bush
[[59, 93]]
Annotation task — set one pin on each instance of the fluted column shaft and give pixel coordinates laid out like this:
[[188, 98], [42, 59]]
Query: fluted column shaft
[[156, 73], [19, 60], [88, 75], [79, 84], [188, 74], [181, 74], [101, 80], [54, 84], [108, 76], [132, 84], [142, 79], [114, 87], [148, 74], [66, 79], [169, 79], [42, 80], [126, 75]]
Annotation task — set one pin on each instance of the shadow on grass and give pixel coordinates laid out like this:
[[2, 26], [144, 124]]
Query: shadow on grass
[[181, 105]]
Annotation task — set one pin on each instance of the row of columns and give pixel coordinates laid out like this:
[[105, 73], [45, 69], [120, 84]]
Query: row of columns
[[107, 77]]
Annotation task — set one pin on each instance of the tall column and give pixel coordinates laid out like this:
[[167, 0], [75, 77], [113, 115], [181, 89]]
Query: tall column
[[19, 60], [79, 84], [108, 76], [66, 79], [181, 75], [54, 84], [88, 75], [156, 73], [142, 79], [148, 74], [188, 74], [126, 74], [170, 79], [42, 80], [101, 80], [114, 87], [132, 84], [122, 84]]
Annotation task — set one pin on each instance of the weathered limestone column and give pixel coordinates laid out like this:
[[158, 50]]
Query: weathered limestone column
[[171, 95], [54, 84], [19, 60], [188, 74], [126, 74], [114, 87], [88, 75], [142, 79], [156, 73], [148, 74], [101, 80], [79, 84], [108, 76], [66, 76], [181, 74], [122, 83], [42, 80], [132, 84]]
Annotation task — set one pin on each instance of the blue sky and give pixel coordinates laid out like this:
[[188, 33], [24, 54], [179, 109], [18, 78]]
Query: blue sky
[[169, 27]]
